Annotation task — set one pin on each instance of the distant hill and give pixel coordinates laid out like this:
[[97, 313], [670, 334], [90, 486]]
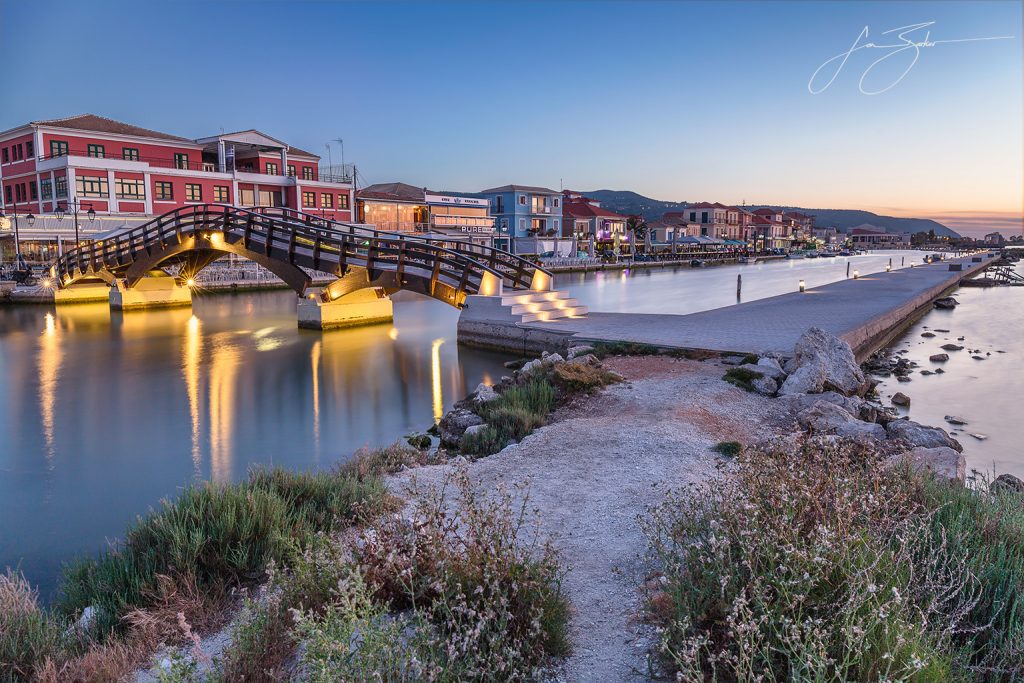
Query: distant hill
[[627, 202]]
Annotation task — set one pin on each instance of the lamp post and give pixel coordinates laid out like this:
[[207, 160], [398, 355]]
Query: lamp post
[[91, 213], [19, 261]]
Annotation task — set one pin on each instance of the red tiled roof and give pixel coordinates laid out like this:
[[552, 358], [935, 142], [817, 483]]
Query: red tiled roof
[[101, 124], [583, 209]]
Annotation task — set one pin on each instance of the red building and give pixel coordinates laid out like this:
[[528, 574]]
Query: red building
[[124, 171]]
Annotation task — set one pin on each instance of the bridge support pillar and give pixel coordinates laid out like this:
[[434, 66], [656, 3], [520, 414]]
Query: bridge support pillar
[[150, 292], [362, 307]]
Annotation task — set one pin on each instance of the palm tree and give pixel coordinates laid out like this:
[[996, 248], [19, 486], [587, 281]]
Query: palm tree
[[637, 227]]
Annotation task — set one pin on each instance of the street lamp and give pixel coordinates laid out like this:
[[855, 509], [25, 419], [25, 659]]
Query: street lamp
[[31, 220], [91, 213]]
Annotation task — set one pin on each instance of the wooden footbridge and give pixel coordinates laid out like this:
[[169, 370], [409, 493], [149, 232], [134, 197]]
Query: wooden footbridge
[[156, 263]]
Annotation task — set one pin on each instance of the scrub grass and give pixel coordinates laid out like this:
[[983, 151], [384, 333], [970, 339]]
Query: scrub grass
[[819, 563], [220, 536], [729, 449], [742, 378], [510, 417]]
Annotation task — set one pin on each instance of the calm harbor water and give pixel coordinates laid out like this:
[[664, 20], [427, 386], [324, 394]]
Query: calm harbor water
[[986, 393], [103, 414]]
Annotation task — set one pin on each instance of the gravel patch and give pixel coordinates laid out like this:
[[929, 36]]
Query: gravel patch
[[596, 469]]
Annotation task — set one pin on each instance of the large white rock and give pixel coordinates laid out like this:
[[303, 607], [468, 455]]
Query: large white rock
[[769, 362], [775, 373], [941, 460], [805, 379], [915, 434], [794, 403], [842, 373], [828, 418], [484, 393], [765, 385]]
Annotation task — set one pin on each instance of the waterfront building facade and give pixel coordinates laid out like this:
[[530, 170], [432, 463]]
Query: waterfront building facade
[[591, 225], [400, 207], [124, 174], [867, 236], [524, 213]]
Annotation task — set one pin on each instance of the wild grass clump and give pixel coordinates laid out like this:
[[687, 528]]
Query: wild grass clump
[[219, 536], [484, 595], [742, 378], [378, 462], [729, 449], [605, 349], [514, 414], [821, 564], [28, 634], [583, 377]]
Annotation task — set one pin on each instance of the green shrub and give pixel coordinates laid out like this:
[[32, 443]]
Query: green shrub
[[378, 462], [821, 564], [28, 635], [512, 416], [742, 377], [262, 642], [219, 535], [729, 449]]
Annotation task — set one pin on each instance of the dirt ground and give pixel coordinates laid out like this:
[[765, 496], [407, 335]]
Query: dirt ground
[[596, 469]]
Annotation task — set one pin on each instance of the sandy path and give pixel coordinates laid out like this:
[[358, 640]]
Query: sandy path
[[598, 467]]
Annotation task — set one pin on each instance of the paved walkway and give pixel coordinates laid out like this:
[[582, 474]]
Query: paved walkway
[[860, 311]]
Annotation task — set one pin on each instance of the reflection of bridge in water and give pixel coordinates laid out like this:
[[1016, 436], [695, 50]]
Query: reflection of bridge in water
[[155, 264]]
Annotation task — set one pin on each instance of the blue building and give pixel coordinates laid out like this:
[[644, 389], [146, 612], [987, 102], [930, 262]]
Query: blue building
[[523, 214]]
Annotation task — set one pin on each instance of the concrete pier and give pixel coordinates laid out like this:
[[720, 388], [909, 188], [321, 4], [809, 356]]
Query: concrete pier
[[362, 307], [150, 292], [867, 312]]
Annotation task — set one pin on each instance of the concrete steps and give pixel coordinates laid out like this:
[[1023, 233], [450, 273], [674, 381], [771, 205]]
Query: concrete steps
[[531, 307]]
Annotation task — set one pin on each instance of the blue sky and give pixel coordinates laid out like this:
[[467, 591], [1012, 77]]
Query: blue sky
[[675, 100]]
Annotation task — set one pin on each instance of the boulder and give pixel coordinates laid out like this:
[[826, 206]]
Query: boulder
[[951, 347], [939, 357], [916, 434], [842, 373], [774, 372], [419, 441], [474, 429], [765, 385], [532, 366], [927, 334], [946, 302], [805, 379], [455, 423], [795, 403], [484, 393], [942, 461], [550, 359], [955, 420], [1007, 482], [828, 418], [575, 351], [769, 362], [900, 399]]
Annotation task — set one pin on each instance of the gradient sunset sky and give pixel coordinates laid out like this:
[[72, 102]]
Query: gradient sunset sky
[[674, 100]]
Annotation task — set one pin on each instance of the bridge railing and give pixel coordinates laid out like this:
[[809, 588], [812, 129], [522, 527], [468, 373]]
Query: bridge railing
[[284, 239], [517, 272]]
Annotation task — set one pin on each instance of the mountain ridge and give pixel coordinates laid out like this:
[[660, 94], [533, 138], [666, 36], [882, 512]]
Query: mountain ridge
[[629, 202]]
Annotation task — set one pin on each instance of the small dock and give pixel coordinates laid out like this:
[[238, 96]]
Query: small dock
[[867, 312]]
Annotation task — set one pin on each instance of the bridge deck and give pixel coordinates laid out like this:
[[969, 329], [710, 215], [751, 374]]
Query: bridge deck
[[865, 312]]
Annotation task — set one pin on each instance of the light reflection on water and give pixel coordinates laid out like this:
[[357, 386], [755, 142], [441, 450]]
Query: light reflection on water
[[104, 413]]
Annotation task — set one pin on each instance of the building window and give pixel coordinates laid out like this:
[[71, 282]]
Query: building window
[[58, 148], [556, 206], [247, 197], [17, 152], [556, 222], [308, 200], [307, 172], [193, 192], [326, 200], [342, 201], [220, 193], [128, 188], [522, 224], [30, 149], [291, 170], [96, 151], [60, 186], [46, 189], [130, 153], [92, 186], [522, 200], [271, 168], [6, 157], [163, 190], [7, 194], [32, 190], [180, 160]]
